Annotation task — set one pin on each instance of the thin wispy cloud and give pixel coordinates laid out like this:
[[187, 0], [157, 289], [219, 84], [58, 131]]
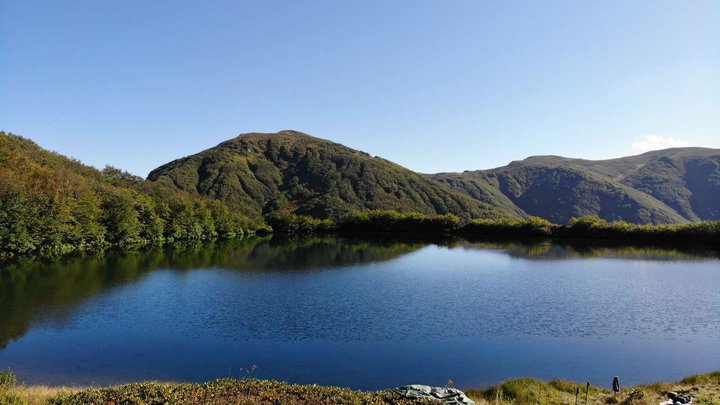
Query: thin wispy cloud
[[655, 142]]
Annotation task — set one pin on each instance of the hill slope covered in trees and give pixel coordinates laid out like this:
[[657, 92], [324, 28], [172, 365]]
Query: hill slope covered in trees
[[53, 204], [291, 171], [667, 186]]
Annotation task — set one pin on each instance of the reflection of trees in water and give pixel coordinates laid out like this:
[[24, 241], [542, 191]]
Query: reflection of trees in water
[[54, 287], [322, 251], [539, 249], [28, 286]]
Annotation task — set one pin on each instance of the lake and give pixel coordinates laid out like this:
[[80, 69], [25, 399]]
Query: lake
[[365, 313]]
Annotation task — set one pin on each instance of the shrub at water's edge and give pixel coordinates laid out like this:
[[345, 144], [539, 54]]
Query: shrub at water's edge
[[364, 221], [593, 227], [590, 227], [579, 228], [291, 224], [391, 221], [528, 227]]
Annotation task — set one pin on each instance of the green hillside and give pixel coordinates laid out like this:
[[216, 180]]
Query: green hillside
[[686, 179], [53, 204], [667, 186], [294, 172]]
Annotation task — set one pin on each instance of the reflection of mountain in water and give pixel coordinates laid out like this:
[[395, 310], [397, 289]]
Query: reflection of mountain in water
[[535, 249], [49, 290], [313, 253], [31, 290]]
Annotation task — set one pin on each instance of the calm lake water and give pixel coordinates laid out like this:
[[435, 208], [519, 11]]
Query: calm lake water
[[363, 313]]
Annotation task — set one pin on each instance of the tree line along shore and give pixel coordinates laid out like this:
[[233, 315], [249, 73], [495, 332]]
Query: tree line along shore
[[589, 227], [131, 219], [53, 205]]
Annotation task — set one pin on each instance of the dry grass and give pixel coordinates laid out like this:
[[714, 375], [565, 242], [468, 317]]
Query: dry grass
[[528, 391], [38, 394], [520, 391]]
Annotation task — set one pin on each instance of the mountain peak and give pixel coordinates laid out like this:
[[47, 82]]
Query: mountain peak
[[258, 173], [286, 133]]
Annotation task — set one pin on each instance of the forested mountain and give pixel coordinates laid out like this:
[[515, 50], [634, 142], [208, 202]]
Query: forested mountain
[[294, 172], [291, 171], [667, 186], [53, 204]]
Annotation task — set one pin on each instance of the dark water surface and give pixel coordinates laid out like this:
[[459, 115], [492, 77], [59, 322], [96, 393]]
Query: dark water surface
[[363, 313]]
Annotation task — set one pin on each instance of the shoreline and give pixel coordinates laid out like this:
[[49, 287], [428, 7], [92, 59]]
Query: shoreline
[[587, 228], [516, 391], [431, 237], [580, 231]]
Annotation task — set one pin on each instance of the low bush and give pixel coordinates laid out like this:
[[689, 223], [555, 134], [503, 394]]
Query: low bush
[[11, 399], [528, 227], [579, 228], [596, 228], [230, 391], [291, 224], [697, 379], [636, 397], [391, 221], [527, 390], [7, 379]]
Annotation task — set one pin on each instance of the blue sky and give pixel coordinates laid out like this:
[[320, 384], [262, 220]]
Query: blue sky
[[433, 85]]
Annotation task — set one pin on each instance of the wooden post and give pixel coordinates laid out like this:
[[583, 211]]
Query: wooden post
[[577, 392], [587, 389]]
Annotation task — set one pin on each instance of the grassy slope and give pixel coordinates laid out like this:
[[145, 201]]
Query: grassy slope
[[480, 187], [520, 391], [686, 179], [291, 171], [525, 391], [669, 186]]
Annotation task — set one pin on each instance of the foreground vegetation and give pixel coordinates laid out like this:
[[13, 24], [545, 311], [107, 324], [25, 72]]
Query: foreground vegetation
[[519, 391], [50, 204], [526, 391], [578, 228]]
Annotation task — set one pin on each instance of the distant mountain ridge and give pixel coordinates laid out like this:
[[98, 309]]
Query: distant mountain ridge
[[258, 173], [666, 186]]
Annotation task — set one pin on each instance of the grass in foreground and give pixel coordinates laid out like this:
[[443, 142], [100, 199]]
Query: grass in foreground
[[220, 392], [526, 391], [518, 391]]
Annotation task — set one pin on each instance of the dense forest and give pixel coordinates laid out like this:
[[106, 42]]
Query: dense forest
[[297, 173], [51, 204], [290, 171], [297, 184]]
